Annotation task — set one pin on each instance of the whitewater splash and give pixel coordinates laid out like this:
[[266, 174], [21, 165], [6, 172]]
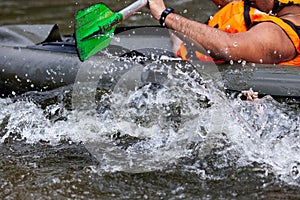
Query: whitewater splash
[[167, 114], [276, 131]]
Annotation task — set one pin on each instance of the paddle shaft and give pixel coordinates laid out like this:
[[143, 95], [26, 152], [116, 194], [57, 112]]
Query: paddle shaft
[[132, 8]]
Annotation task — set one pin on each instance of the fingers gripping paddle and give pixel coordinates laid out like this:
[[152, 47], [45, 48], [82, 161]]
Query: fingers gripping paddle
[[95, 26]]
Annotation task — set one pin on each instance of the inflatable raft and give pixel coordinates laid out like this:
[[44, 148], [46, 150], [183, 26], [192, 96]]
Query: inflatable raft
[[38, 57]]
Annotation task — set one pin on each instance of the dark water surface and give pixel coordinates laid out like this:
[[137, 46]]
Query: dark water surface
[[138, 150], [62, 12]]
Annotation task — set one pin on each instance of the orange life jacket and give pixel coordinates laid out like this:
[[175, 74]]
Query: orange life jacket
[[238, 17]]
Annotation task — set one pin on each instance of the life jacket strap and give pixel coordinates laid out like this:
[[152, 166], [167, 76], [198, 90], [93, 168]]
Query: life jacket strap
[[247, 18]]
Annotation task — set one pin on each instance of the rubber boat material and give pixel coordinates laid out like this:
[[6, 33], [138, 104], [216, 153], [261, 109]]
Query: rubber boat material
[[37, 57]]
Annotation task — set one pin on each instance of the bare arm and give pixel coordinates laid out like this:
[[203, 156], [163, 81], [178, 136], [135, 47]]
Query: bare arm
[[264, 43]]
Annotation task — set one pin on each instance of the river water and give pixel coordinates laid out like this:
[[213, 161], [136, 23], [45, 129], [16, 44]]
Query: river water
[[182, 140]]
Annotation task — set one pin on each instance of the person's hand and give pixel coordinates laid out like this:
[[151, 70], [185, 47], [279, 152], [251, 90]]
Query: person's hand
[[250, 94], [156, 7]]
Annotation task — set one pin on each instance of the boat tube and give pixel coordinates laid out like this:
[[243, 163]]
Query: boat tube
[[39, 58]]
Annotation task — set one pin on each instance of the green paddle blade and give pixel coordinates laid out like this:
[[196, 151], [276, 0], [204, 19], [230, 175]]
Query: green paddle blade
[[94, 28]]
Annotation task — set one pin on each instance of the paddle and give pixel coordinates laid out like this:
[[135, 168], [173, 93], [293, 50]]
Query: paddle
[[95, 26]]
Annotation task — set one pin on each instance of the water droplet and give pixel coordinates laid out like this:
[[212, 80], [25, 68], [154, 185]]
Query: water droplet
[[231, 62], [235, 44], [226, 50], [228, 27], [185, 11], [244, 63], [261, 60], [294, 171], [117, 39]]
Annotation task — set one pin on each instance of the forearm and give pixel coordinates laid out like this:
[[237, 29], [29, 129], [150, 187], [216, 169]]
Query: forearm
[[255, 45], [212, 40]]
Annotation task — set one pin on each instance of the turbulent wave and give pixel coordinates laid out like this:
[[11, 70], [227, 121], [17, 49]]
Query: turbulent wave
[[275, 135], [148, 125]]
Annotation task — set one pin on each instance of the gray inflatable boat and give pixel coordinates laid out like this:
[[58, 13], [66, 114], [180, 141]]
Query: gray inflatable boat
[[39, 58]]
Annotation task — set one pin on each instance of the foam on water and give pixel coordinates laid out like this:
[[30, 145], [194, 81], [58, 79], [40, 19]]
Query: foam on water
[[156, 125], [276, 127]]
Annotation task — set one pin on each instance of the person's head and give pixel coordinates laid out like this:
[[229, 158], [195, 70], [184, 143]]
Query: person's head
[[273, 5]]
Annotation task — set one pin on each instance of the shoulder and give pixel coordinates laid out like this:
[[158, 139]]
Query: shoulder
[[273, 38], [270, 32]]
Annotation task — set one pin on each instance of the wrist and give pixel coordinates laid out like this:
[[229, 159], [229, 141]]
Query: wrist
[[164, 15]]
